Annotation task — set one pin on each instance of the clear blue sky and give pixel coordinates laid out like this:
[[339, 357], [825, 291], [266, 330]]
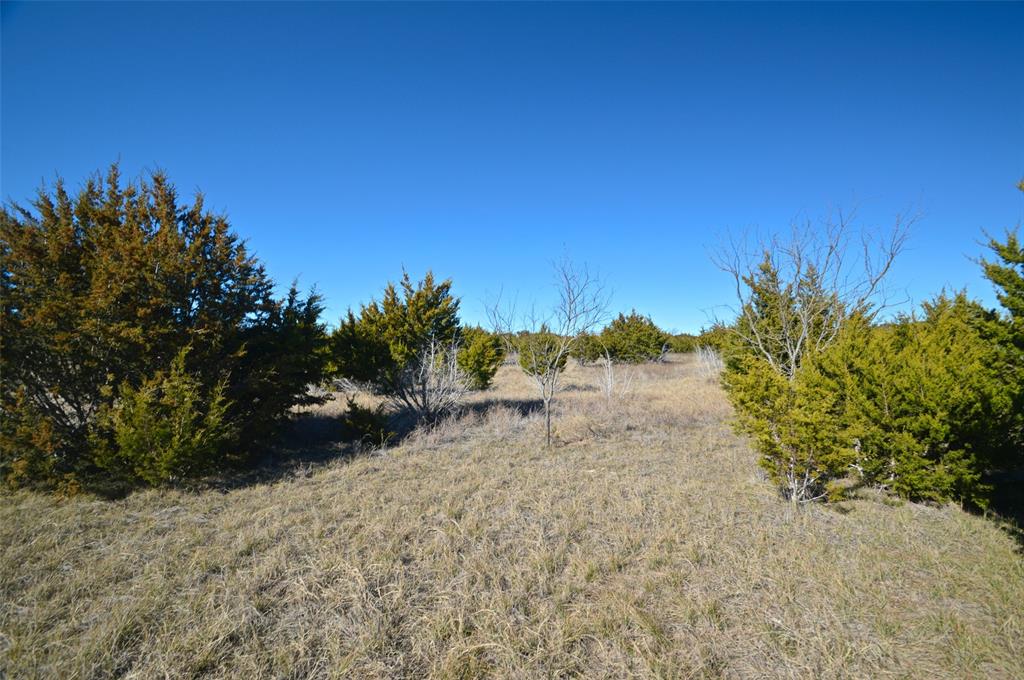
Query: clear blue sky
[[482, 140]]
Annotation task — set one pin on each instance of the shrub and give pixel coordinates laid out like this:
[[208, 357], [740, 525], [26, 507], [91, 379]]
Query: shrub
[[405, 347], [682, 343], [719, 338], [168, 428], [30, 447], [587, 349], [918, 407], [924, 406], [633, 339], [282, 354], [108, 286], [368, 426], [793, 425], [479, 356], [795, 302], [1006, 331], [542, 353], [921, 407]]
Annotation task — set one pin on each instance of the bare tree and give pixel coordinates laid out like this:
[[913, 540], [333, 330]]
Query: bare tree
[[794, 294], [432, 384], [546, 340]]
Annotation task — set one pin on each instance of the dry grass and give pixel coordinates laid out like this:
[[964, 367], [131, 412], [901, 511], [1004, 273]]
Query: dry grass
[[644, 544]]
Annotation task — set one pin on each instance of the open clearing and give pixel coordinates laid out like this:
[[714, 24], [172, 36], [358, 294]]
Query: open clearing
[[645, 543]]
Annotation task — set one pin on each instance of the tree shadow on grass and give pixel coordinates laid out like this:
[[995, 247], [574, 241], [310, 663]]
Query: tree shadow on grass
[[1007, 502], [307, 442], [311, 441], [405, 423], [523, 407]]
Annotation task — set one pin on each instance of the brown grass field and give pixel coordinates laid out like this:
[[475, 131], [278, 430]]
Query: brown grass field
[[644, 544]]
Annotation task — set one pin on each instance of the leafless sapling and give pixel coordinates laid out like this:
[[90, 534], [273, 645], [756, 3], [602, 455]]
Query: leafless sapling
[[543, 341]]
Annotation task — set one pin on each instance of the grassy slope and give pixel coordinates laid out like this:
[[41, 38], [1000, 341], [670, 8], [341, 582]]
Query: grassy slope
[[645, 544]]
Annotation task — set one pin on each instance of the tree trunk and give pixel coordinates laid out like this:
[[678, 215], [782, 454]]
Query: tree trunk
[[547, 420]]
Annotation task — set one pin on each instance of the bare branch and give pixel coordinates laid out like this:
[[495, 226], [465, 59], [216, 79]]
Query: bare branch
[[793, 295], [544, 341]]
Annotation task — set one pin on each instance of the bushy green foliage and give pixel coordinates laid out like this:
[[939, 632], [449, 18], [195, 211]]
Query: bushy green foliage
[[788, 318], [105, 288], [793, 425], [399, 345], [785, 322], [920, 401], [719, 338], [541, 353], [480, 355], [30, 445], [388, 336], [1007, 273], [168, 428], [587, 349], [923, 406], [917, 406], [368, 426], [358, 353], [1006, 332], [280, 357], [682, 343], [633, 339]]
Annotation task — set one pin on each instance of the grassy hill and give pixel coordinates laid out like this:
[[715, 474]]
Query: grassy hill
[[646, 543]]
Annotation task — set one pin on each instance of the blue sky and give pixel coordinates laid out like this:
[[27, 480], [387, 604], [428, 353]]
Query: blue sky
[[346, 141]]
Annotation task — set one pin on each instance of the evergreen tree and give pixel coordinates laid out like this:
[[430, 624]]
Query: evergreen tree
[[793, 423], [920, 404], [587, 349], [541, 354], [633, 339], [683, 343], [405, 346], [103, 289], [167, 428], [479, 355], [795, 304], [719, 337], [1006, 272]]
